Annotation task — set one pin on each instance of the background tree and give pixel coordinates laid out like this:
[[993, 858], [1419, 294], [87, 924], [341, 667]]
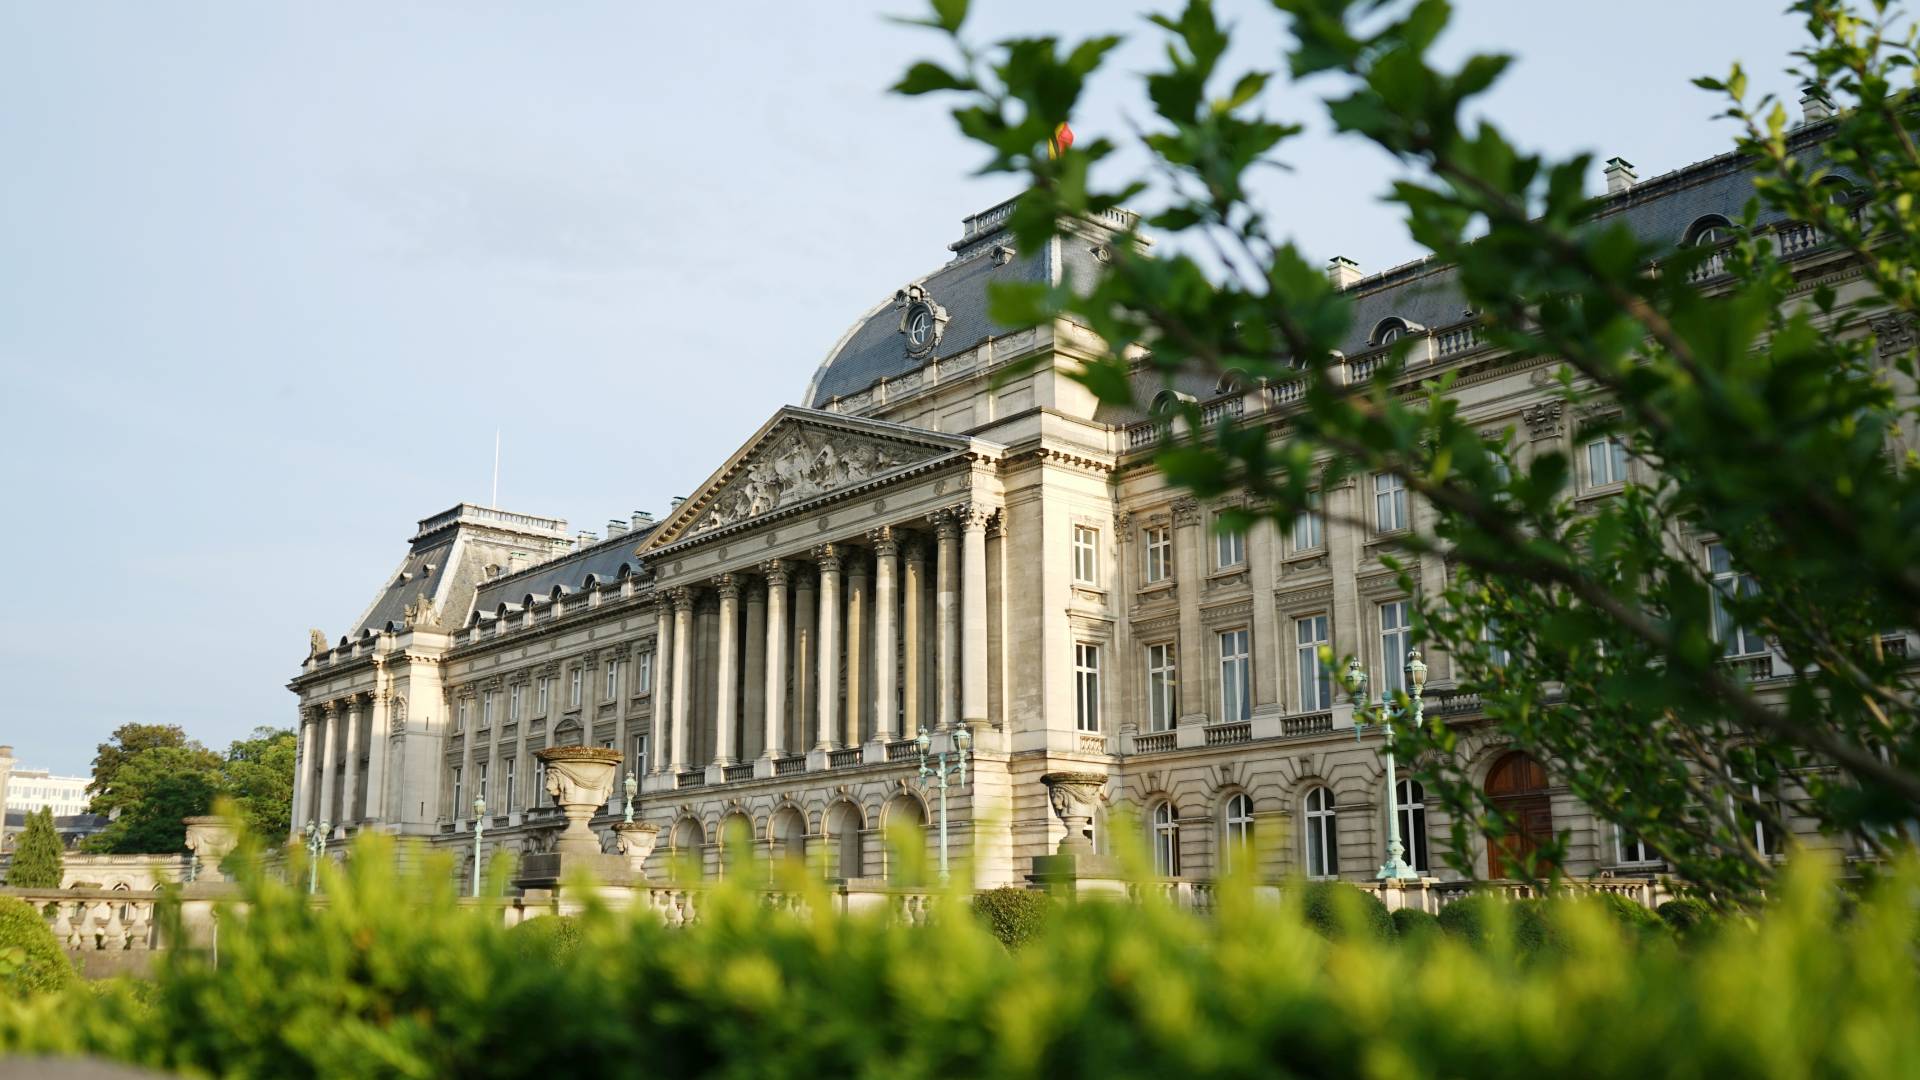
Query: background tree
[[152, 791], [258, 776], [1768, 405], [127, 742], [37, 855]]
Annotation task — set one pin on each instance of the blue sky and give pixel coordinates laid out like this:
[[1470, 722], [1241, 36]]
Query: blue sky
[[271, 275]]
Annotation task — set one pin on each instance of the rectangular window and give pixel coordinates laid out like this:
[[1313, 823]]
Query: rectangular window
[[1163, 708], [1310, 635], [1086, 682], [1606, 461], [1236, 676], [1396, 641], [480, 780], [511, 768], [1498, 655], [1159, 548], [539, 778], [545, 695], [457, 793], [573, 689], [486, 710], [513, 703], [460, 715], [1633, 850], [638, 764], [613, 681], [1729, 583], [1309, 529], [1229, 547], [643, 675], [1086, 555], [1389, 503]]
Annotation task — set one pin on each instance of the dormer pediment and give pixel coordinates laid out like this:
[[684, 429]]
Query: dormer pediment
[[798, 458]]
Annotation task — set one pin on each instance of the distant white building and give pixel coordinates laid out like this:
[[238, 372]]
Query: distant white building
[[29, 790]]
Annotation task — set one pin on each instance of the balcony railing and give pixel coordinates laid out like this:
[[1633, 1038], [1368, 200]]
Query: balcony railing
[[736, 773], [1234, 407], [789, 766], [903, 750], [1154, 743], [1238, 731], [1146, 434], [840, 759], [1092, 743], [690, 780], [1319, 723]]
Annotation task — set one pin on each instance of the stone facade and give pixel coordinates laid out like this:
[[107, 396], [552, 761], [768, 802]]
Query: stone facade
[[920, 545]]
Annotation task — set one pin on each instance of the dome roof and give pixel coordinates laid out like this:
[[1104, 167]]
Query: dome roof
[[954, 297]]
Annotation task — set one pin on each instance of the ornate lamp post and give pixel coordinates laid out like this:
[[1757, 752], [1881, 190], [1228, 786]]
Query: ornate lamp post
[[1395, 868], [632, 786], [316, 848], [936, 768], [479, 830]]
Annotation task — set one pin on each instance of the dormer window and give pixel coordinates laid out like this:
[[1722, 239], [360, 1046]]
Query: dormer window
[[1709, 231], [1166, 403], [1389, 331], [1234, 381]]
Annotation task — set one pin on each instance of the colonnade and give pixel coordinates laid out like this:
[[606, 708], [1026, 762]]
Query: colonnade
[[327, 784], [849, 645]]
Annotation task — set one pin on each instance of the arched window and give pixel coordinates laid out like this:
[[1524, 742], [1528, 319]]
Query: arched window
[[1237, 832], [736, 832], [626, 571], [1411, 800], [1708, 231], [1232, 381], [788, 835], [590, 583], [1388, 331], [689, 843], [1837, 191], [1166, 840], [558, 592], [843, 835], [1323, 835], [1166, 403], [906, 826], [1517, 787], [527, 601]]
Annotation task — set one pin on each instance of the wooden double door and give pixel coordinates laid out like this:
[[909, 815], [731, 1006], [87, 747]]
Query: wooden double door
[[1517, 785]]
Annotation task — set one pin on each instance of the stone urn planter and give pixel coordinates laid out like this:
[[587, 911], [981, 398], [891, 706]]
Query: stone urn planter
[[210, 837], [636, 840], [1074, 796], [579, 779]]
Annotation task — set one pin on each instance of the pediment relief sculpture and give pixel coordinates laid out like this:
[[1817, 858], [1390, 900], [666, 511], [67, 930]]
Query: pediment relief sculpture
[[800, 465]]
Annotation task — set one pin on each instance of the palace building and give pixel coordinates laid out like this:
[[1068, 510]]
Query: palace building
[[917, 546]]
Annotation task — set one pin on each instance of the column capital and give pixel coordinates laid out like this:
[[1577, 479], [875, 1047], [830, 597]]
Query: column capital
[[975, 516], [1186, 511], [828, 557], [1123, 527], [777, 572], [727, 585], [946, 523], [681, 597], [885, 541], [331, 709]]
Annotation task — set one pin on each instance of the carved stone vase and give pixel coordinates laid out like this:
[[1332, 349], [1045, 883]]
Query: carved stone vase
[[579, 779], [636, 840], [1074, 796], [210, 837]]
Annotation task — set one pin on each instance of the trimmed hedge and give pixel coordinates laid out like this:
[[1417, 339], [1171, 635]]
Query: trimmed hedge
[[31, 960], [553, 938], [1467, 917], [1416, 928], [1013, 915], [1688, 917], [1338, 911]]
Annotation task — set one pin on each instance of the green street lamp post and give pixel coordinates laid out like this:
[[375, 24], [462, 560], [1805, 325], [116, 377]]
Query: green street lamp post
[[632, 786], [937, 767], [1395, 868], [479, 830], [316, 849]]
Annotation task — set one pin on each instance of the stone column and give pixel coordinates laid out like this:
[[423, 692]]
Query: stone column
[[973, 619], [682, 660], [349, 797], [459, 813], [753, 691], [1190, 575], [665, 686], [827, 644], [726, 700], [806, 647], [947, 625], [331, 712], [857, 648], [621, 656], [914, 585], [886, 557], [774, 700], [302, 765], [520, 767], [379, 708], [1263, 551]]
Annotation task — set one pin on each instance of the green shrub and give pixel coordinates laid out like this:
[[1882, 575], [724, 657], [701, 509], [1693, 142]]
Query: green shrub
[[1416, 928], [552, 938], [37, 855], [31, 960], [1688, 917], [394, 977], [1013, 915], [1338, 911], [1467, 918]]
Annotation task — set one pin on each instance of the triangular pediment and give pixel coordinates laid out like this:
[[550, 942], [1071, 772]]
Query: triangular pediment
[[797, 457]]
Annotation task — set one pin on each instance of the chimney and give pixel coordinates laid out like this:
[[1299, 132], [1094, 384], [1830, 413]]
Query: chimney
[[516, 561], [587, 538], [1620, 175], [1342, 271], [615, 527], [1815, 105], [677, 500], [641, 519]]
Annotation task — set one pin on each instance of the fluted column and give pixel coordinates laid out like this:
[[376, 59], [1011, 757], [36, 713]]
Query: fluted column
[[886, 601], [663, 681], [773, 699], [349, 797], [379, 709], [522, 796], [827, 645], [682, 660], [331, 714], [973, 618], [806, 660], [753, 686], [467, 731], [727, 659], [858, 649], [914, 585], [303, 765], [946, 528]]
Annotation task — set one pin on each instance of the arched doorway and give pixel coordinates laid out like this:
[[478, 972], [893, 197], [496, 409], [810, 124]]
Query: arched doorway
[[787, 835], [906, 847], [1517, 784], [843, 825]]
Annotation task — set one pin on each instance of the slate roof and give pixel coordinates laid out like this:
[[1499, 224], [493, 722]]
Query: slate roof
[[875, 349], [602, 561]]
